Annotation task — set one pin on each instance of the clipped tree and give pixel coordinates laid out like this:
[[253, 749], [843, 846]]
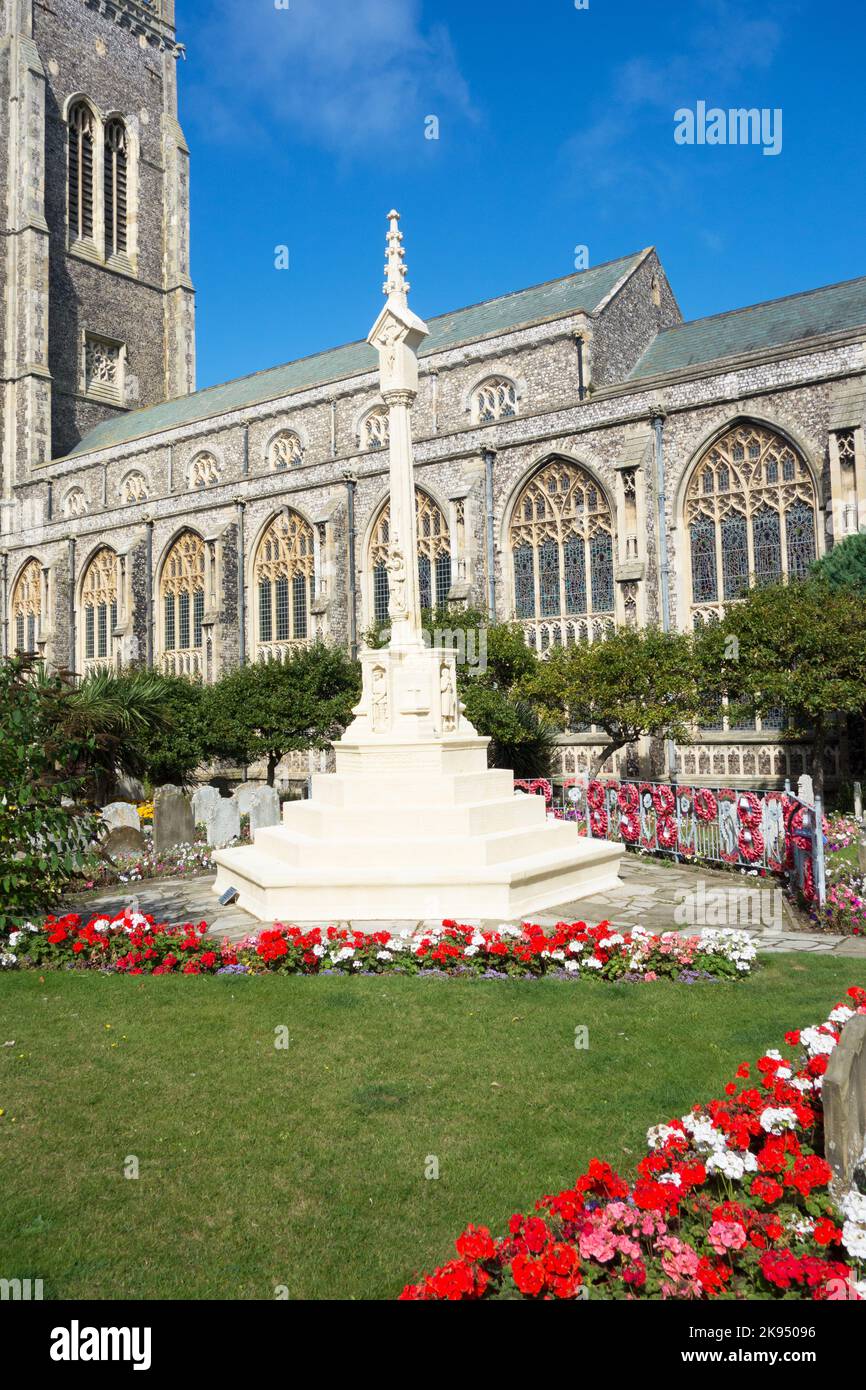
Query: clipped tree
[[634, 683], [45, 829], [844, 567], [801, 648], [172, 750], [270, 708]]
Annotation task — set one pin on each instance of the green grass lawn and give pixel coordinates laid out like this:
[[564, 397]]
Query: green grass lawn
[[305, 1167]]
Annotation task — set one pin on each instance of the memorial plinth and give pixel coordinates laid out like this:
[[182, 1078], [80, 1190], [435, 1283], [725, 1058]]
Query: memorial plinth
[[412, 824]]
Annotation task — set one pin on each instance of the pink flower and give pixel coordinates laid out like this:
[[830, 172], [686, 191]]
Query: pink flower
[[726, 1235]]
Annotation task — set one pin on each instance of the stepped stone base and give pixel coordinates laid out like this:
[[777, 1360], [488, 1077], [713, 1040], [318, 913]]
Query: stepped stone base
[[448, 839]]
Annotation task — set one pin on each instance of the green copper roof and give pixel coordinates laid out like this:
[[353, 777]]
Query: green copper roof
[[572, 294], [762, 326]]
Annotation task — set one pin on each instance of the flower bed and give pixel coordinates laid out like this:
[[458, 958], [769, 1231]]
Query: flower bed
[[731, 1201], [135, 944]]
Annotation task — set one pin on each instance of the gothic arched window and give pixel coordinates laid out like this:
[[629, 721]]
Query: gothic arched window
[[204, 471], [75, 502], [82, 126], [284, 577], [376, 430], [182, 606], [115, 186], [285, 451], [561, 541], [494, 399], [434, 556], [134, 488], [750, 513], [99, 604], [27, 607]]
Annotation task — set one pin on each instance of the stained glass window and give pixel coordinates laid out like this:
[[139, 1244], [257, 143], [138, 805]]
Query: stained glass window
[[183, 605], [524, 581], [285, 569], [767, 541], [738, 494], [434, 556], [705, 581], [735, 556], [562, 553], [548, 574], [99, 595], [574, 553], [800, 531], [601, 550]]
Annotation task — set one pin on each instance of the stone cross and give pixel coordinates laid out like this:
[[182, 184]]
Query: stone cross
[[396, 336]]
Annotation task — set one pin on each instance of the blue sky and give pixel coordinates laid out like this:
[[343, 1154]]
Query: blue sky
[[556, 130]]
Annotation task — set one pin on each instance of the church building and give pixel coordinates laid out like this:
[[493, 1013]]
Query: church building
[[582, 453]]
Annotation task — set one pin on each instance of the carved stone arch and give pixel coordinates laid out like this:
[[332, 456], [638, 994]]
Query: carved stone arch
[[181, 585], [748, 510], [98, 601], [434, 553], [488, 377], [558, 541], [75, 502], [273, 442], [205, 469], [363, 432], [26, 606], [283, 582], [130, 480], [784, 428]]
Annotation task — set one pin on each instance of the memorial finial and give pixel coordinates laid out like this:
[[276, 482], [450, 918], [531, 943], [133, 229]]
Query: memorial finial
[[395, 270]]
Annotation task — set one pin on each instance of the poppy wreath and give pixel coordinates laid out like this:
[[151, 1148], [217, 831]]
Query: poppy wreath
[[598, 819], [706, 806], [667, 832], [750, 840], [730, 1201], [664, 800], [629, 805], [727, 795]]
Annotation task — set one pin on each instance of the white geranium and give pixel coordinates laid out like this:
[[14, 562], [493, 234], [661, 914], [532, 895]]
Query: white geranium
[[854, 1239], [659, 1135], [853, 1205], [841, 1014], [572, 967], [593, 963], [14, 938], [776, 1121], [7, 960], [816, 1042]]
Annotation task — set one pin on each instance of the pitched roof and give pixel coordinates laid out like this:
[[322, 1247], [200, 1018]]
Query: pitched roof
[[583, 292], [776, 323]]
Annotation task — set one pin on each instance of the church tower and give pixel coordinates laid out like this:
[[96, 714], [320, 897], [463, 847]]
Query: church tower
[[97, 300]]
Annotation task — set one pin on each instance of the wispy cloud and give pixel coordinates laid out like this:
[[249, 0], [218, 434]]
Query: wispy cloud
[[356, 76], [720, 46]]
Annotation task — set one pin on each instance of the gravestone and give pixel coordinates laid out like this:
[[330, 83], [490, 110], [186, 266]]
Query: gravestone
[[264, 809], [203, 801], [120, 813], [244, 796], [223, 822], [123, 842], [173, 820], [844, 1100]]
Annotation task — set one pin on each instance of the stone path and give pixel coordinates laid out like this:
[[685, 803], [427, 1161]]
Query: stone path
[[656, 896]]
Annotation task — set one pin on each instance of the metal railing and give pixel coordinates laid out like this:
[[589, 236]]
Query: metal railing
[[762, 831]]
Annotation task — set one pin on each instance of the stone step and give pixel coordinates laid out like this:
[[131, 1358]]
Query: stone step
[[397, 790], [369, 850], [274, 891], [418, 821]]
